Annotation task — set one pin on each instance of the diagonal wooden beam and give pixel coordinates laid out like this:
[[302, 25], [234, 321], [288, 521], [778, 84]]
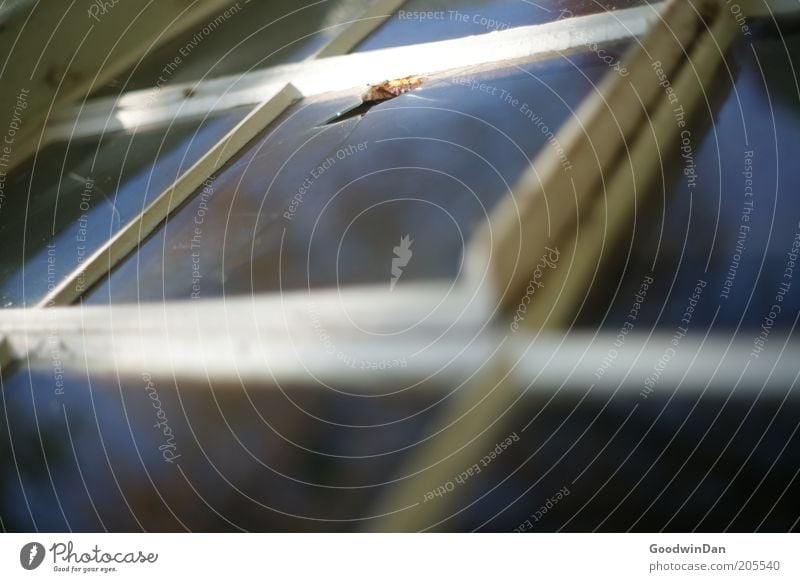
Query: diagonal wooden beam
[[153, 107]]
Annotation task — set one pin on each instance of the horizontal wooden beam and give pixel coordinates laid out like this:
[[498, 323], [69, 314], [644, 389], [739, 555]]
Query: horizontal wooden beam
[[368, 339], [313, 77]]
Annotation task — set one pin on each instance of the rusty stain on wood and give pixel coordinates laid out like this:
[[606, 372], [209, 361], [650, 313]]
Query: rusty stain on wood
[[391, 89], [374, 95]]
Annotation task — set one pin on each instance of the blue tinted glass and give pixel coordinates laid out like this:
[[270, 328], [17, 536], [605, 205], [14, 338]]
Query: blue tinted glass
[[316, 204]]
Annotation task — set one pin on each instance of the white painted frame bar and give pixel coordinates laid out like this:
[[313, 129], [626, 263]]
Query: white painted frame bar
[[45, 52], [275, 340]]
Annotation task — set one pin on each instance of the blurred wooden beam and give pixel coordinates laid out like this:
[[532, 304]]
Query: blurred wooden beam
[[585, 250], [613, 153], [55, 53], [128, 238], [558, 194], [378, 12]]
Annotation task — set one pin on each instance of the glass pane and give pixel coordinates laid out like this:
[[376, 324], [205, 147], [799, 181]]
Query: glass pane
[[325, 204], [84, 452], [243, 37], [67, 201], [734, 235], [87, 452], [431, 20]]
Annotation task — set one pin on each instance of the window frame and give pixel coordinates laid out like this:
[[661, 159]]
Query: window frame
[[110, 339]]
